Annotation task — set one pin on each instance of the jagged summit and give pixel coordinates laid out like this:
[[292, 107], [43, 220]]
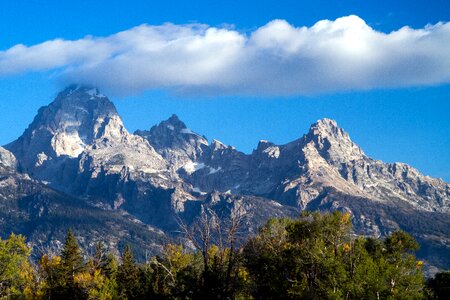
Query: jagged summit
[[328, 128], [172, 126], [175, 122], [83, 95], [179, 145], [263, 145], [173, 134], [78, 145], [331, 142], [81, 123], [78, 116]]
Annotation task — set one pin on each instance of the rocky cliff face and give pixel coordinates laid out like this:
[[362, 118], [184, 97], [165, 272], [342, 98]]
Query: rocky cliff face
[[8, 162], [79, 146], [298, 172], [44, 215], [179, 145], [79, 141]]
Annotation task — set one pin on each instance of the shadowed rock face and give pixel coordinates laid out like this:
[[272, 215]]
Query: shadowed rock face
[[78, 145]]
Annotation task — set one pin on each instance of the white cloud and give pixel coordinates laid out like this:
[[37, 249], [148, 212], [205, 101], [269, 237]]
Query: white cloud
[[275, 59]]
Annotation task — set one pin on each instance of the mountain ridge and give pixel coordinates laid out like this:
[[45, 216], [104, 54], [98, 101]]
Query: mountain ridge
[[78, 146]]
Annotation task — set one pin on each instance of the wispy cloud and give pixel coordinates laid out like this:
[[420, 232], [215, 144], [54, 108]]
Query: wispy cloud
[[276, 59]]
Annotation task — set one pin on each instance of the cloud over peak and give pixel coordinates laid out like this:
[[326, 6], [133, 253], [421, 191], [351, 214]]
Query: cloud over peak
[[275, 59]]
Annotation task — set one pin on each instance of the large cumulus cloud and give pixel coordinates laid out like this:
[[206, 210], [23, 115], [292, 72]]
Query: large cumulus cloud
[[275, 59]]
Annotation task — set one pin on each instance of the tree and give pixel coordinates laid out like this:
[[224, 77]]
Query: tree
[[71, 258], [313, 257], [71, 264], [215, 238], [93, 284], [267, 262], [100, 259], [51, 274], [316, 257], [97, 280], [175, 273], [403, 271], [128, 276], [16, 273]]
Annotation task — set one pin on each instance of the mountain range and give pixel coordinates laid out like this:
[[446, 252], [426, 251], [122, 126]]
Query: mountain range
[[76, 166]]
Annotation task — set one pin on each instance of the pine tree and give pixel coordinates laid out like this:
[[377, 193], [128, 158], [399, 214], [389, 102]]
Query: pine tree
[[111, 266], [128, 277], [71, 263]]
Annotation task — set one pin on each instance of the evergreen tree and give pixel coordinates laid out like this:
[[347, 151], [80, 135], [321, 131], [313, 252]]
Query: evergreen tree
[[128, 276], [71, 264], [71, 258], [111, 266]]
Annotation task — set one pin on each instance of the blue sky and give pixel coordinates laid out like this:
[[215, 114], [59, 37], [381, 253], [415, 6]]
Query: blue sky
[[400, 118]]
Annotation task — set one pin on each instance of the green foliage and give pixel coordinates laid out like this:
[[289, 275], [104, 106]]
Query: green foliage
[[71, 258], [174, 274], [266, 258], [316, 257], [16, 276], [52, 279], [313, 257], [128, 276]]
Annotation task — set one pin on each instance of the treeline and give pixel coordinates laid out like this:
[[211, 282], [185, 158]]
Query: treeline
[[313, 257]]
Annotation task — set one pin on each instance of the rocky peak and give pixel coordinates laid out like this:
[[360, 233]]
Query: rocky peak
[[217, 145], [172, 133], [77, 117], [170, 127], [331, 142], [174, 122], [87, 99], [266, 149], [174, 141], [327, 129], [263, 145]]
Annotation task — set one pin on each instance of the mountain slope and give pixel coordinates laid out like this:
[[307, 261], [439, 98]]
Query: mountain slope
[[297, 173], [79, 147], [44, 215]]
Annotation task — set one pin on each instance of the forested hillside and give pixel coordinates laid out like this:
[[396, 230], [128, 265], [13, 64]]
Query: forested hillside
[[313, 257]]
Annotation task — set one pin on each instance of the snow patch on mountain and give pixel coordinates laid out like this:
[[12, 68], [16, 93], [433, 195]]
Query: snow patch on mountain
[[191, 167]]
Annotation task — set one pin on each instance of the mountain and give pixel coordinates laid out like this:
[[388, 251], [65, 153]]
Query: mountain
[[298, 172], [77, 148], [44, 215], [81, 130], [175, 142]]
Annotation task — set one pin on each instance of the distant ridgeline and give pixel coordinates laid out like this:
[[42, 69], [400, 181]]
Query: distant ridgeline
[[313, 257], [76, 166]]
